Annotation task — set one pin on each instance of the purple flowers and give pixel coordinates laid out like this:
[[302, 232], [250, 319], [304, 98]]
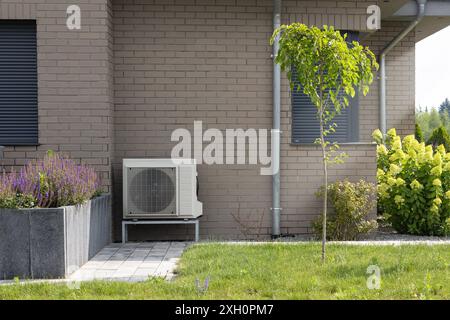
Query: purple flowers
[[7, 191], [54, 181]]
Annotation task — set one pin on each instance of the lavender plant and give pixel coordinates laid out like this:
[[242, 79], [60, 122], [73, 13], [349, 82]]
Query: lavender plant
[[53, 181], [9, 198]]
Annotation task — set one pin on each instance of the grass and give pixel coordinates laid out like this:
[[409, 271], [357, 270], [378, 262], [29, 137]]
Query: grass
[[277, 271]]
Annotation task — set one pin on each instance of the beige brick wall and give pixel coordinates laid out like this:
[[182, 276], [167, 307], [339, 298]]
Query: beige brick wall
[[400, 83], [301, 173], [75, 82], [180, 61], [176, 61], [343, 15]]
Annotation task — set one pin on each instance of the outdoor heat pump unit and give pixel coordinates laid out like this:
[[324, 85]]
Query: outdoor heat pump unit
[[160, 189]]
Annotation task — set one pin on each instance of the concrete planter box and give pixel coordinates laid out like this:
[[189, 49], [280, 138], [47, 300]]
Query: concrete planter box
[[53, 242]]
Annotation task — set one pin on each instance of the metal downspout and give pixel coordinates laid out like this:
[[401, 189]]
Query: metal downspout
[[421, 4], [276, 126]]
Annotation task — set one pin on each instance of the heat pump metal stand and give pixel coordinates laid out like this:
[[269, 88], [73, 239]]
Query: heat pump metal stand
[[125, 224]]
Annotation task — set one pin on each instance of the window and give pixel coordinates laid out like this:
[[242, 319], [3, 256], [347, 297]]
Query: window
[[18, 83], [305, 125]]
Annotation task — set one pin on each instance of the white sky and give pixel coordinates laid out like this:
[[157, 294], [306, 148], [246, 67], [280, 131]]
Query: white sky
[[433, 69]]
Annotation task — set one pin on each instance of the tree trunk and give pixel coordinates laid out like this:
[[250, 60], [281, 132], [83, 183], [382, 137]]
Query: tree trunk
[[325, 183]]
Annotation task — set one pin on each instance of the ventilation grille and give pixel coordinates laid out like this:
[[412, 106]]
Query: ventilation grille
[[151, 191]]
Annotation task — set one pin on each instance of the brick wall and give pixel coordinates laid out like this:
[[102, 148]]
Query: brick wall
[[75, 82], [180, 61], [176, 61], [400, 82], [301, 173]]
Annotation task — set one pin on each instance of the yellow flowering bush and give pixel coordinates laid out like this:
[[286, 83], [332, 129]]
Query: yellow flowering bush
[[413, 184]]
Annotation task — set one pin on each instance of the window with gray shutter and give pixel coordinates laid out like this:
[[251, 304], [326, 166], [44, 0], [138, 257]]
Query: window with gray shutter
[[18, 83], [305, 125]]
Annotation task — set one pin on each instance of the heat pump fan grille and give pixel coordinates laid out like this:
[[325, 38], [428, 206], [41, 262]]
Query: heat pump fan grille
[[151, 191]]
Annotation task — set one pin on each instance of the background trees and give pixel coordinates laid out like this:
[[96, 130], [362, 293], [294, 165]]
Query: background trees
[[434, 124], [445, 106]]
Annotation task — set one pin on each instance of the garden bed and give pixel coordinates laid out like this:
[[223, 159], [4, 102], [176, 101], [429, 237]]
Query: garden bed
[[52, 242]]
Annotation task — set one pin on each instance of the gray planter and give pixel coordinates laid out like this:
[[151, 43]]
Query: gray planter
[[54, 242]]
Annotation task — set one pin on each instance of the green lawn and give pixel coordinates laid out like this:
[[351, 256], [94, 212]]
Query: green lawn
[[277, 271]]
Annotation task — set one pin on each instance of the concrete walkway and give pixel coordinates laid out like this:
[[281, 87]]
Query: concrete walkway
[[132, 262]]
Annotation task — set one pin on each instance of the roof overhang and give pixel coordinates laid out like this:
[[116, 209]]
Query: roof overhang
[[437, 15]]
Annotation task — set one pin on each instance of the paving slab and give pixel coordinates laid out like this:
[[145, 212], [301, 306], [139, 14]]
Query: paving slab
[[132, 262]]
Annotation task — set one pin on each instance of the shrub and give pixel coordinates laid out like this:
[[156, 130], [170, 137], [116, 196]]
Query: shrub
[[413, 185], [53, 181], [9, 197], [352, 203], [419, 134], [440, 137]]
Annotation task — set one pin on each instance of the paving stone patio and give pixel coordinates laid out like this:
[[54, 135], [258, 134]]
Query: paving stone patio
[[132, 262]]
